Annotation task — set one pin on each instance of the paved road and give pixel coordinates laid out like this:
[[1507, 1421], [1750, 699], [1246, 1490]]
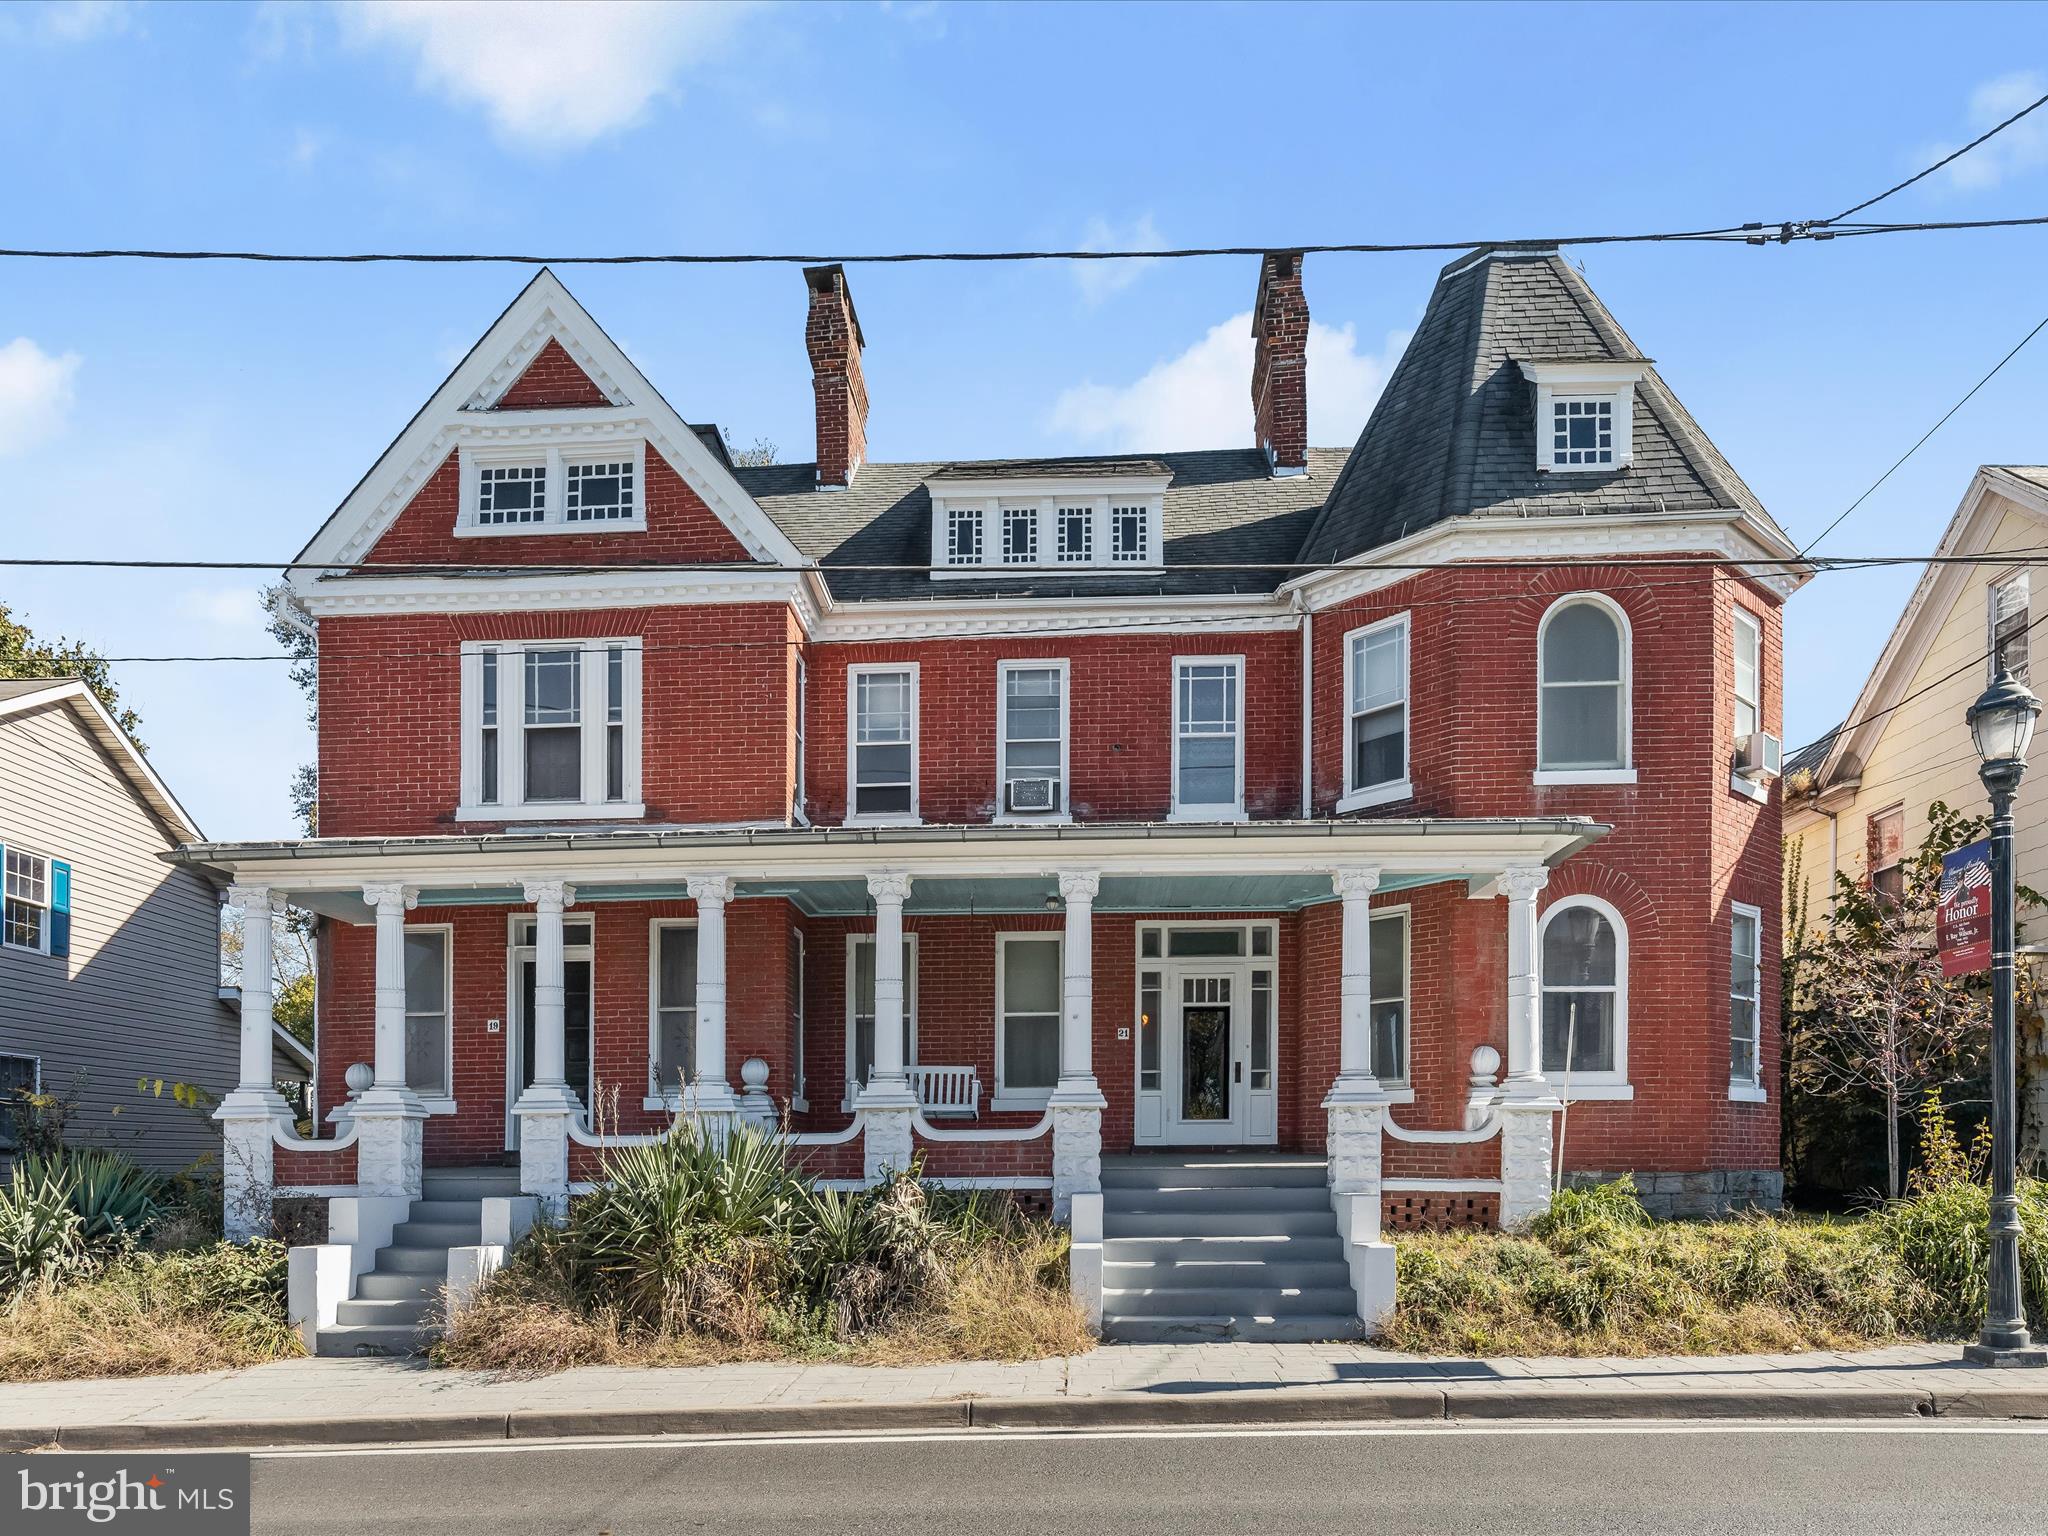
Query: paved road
[[1669, 1480]]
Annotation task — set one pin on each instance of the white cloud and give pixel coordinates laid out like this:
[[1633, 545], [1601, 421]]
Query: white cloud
[[1098, 280], [235, 608], [550, 74], [81, 21], [36, 391], [1202, 398], [2021, 148]]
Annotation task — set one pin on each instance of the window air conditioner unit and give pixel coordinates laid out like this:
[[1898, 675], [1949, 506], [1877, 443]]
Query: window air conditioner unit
[[1760, 755], [1033, 795]]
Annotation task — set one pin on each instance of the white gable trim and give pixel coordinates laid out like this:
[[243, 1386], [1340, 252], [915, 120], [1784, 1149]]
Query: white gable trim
[[1898, 664], [544, 310]]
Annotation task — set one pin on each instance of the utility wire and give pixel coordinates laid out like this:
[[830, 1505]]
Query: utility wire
[[1944, 160]]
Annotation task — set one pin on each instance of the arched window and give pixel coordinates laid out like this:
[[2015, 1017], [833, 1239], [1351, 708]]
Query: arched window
[[1585, 992], [1582, 714]]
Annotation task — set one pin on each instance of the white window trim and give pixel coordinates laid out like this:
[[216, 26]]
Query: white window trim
[[1235, 810], [1614, 381], [662, 1096], [853, 942], [1991, 590], [45, 905], [1626, 773], [1005, 1097], [511, 729], [800, 808], [987, 500], [1591, 1085], [442, 1104], [1748, 1090], [1063, 812], [555, 457], [853, 676], [1405, 1083], [1356, 796]]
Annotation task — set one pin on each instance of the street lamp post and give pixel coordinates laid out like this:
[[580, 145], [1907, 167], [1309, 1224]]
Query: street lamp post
[[2002, 724]]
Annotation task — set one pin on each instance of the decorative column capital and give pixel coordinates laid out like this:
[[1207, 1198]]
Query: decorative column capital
[[1358, 880], [709, 888], [1524, 883], [391, 893], [1079, 885], [895, 888], [254, 898], [550, 894]]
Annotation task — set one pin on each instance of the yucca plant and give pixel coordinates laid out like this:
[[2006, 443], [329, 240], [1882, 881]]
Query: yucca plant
[[115, 1200], [41, 1235]]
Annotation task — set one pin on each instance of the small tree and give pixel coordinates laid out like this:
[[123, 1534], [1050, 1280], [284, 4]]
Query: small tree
[[763, 452], [22, 655], [1868, 1013]]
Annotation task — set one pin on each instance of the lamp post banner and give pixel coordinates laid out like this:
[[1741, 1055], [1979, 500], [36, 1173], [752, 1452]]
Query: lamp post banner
[[1962, 913]]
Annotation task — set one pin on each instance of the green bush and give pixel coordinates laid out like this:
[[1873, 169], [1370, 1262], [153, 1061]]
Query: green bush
[[116, 1200], [1942, 1237]]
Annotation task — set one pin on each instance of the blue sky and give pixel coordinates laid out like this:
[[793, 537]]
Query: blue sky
[[213, 411]]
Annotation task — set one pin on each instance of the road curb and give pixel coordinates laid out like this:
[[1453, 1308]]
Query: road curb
[[1453, 1402]]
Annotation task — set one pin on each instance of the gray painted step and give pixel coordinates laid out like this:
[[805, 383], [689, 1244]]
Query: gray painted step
[[1235, 1301], [1247, 1330], [413, 1261], [437, 1234], [369, 1340], [1212, 1172], [1309, 1248], [469, 1183], [394, 1314], [1160, 1274], [1238, 1223], [1225, 1197], [380, 1285], [447, 1209]]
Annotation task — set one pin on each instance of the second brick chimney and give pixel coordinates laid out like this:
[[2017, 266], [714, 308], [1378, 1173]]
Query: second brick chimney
[[1280, 364], [832, 337]]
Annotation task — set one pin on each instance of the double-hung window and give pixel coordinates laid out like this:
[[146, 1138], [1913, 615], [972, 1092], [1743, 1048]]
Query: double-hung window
[[1749, 691], [1388, 945], [2007, 602], [1885, 848], [1027, 1017], [25, 923], [553, 489], [1582, 693], [550, 729], [1376, 692], [428, 1040], [860, 1008], [1745, 999], [1208, 738], [672, 1052], [20, 1076], [1031, 739], [882, 762], [799, 794]]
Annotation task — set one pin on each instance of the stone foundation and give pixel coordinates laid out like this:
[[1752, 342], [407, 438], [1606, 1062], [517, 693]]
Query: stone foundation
[[1717, 1193]]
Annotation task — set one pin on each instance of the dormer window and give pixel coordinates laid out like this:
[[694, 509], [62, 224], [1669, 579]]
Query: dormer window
[[552, 489], [1585, 414], [1107, 517]]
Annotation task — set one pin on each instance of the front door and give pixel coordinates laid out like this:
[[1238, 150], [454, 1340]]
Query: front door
[[1206, 1088], [575, 1033]]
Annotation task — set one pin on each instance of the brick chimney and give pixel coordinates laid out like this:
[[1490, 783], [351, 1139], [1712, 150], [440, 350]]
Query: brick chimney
[[1280, 364], [832, 337]]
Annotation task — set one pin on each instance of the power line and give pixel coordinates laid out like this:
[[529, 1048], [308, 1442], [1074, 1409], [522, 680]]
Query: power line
[[1924, 436], [1944, 160]]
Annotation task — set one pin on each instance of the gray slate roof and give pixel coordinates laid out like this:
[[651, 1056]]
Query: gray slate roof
[[1453, 434], [1808, 758], [1222, 507]]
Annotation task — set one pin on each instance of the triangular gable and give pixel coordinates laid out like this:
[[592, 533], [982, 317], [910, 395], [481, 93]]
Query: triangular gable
[[553, 378], [473, 395], [1969, 532]]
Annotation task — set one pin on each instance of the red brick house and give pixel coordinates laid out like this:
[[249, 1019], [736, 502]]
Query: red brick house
[[1004, 815]]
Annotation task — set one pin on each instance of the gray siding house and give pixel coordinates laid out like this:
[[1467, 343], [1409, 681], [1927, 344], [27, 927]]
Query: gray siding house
[[109, 955]]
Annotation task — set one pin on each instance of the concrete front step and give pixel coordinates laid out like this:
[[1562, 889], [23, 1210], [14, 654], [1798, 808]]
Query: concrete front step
[[406, 1313], [1243, 1330], [399, 1285], [1180, 1199], [1289, 1248], [1168, 1274], [413, 1233], [370, 1339], [398, 1260], [1210, 1171], [469, 1183], [1233, 1301], [1117, 1222]]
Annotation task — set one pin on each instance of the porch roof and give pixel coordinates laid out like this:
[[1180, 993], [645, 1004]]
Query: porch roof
[[1146, 867]]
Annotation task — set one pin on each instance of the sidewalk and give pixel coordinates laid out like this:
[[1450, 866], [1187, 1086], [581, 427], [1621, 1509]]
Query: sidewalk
[[334, 1402]]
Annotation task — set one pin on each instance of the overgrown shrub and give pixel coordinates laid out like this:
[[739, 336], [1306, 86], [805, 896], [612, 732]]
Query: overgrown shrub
[[42, 1239]]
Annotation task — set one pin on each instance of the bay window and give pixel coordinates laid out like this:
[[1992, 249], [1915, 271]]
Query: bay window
[[550, 729]]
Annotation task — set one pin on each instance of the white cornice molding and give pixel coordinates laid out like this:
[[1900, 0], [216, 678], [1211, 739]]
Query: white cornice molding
[[1032, 487], [1052, 616], [355, 596]]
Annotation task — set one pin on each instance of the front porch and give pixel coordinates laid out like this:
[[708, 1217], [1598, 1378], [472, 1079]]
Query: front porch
[[997, 1005]]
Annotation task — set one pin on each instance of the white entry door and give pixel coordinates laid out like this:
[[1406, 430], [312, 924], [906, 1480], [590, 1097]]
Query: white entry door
[[1205, 1083], [1207, 1046]]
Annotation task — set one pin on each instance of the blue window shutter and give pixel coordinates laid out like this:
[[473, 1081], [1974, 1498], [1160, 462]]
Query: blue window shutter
[[60, 908]]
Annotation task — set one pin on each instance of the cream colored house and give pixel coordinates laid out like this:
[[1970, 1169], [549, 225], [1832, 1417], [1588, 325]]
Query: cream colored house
[[1857, 800]]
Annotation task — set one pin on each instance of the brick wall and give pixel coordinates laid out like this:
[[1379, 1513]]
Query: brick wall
[[551, 379]]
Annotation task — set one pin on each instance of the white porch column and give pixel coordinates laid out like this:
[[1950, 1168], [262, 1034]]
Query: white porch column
[[1355, 1106], [1077, 1102], [887, 1103], [251, 1113], [548, 1105], [390, 1114], [711, 1091], [1528, 1107]]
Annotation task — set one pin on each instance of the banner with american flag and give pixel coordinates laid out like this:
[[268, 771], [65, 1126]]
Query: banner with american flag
[[1962, 913]]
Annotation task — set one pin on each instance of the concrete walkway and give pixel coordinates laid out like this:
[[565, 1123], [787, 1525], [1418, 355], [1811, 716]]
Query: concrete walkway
[[302, 1402]]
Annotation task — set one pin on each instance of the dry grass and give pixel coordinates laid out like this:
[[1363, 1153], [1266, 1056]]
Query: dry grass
[[151, 1315]]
